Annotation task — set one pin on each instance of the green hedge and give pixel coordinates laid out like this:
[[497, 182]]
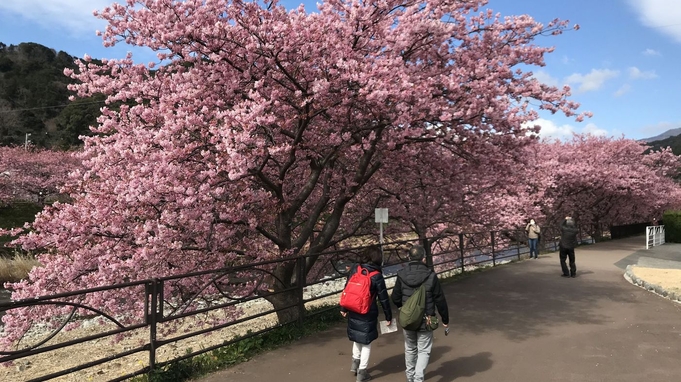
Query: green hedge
[[672, 226], [15, 215]]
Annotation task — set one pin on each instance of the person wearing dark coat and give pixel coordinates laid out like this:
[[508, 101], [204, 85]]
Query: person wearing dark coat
[[418, 343], [568, 242], [362, 328]]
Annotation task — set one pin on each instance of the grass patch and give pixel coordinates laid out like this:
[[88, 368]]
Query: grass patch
[[318, 319], [16, 268], [15, 265]]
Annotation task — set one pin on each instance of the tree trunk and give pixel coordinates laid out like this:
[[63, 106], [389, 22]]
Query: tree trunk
[[289, 302], [427, 246], [597, 233], [287, 297]]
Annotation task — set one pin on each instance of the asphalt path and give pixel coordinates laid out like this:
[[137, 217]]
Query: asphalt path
[[517, 322]]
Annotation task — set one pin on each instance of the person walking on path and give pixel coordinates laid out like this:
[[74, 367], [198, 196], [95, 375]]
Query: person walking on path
[[362, 328], [568, 242], [533, 231], [418, 343]]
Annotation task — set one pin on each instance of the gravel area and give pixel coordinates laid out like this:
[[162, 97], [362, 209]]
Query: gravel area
[[665, 282]]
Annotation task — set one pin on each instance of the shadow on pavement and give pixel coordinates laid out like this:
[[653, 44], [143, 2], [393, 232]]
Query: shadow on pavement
[[388, 366], [461, 367], [395, 364], [524, 302], [668, 251]]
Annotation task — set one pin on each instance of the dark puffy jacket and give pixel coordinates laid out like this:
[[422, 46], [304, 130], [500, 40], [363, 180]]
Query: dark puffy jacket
[[362, 328], [410, 278], [568, 235]]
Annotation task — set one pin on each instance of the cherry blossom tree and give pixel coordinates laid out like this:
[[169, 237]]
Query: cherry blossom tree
[[440, 192], [602, 180], [33, 175], [264, 129]]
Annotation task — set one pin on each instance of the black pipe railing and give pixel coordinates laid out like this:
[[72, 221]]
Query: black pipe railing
[[167, 301]]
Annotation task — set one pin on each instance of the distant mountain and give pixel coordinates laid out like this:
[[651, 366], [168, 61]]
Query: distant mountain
[[674, 142], [665, 135], [34, 101]]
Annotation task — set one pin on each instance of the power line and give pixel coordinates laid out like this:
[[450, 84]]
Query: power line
[[50, 107], [665, 26]]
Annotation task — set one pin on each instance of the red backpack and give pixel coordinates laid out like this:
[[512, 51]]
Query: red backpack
[[356, 296]]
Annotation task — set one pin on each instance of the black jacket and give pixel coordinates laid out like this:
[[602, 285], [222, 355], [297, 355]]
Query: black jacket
[[568, 235], [362, 328], [410, 278]]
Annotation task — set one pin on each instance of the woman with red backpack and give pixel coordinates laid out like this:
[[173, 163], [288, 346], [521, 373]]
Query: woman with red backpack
[[362, 311]]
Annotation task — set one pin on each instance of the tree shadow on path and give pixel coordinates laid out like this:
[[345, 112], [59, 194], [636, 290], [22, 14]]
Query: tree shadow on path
[[461, 367], [395, 364], [529, 300]]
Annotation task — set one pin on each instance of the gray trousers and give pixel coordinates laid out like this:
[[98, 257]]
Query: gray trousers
[[417, 345]]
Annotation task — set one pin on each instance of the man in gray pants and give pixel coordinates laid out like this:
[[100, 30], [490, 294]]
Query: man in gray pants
[[568, 242], [418, 343]]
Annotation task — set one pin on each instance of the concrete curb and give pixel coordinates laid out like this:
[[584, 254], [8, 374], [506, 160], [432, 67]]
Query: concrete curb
[[654, 288]]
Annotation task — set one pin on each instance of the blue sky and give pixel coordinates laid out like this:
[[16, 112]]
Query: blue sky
[[622, 63]]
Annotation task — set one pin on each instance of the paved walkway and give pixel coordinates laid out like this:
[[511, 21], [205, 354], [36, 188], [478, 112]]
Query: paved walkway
[[520, 322]]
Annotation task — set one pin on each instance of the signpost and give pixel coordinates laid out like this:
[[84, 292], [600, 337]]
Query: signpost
[[381, 216]]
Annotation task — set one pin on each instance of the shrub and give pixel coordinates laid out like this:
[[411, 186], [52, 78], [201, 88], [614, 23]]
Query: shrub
[[672, 226]]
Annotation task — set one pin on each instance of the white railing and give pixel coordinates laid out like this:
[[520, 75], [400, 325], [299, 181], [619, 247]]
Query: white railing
[[654, 236]]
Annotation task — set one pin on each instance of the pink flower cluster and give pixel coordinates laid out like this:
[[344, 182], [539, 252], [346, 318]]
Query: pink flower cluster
[[265, 133]]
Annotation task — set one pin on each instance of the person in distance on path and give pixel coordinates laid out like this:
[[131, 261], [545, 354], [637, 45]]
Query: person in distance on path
[[533, 231], [568, 242], [418, 343]]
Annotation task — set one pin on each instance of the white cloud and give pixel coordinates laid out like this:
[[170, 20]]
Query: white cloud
[[74, 16], [636, 74], [651, 52], [592, 129], [567, 60], [551, 130], [546, 78], [663, 15], [624, 89], [592, 81]]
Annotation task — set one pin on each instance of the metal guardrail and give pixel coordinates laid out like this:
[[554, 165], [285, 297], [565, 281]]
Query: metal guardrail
[[654, 236], [165, 302]]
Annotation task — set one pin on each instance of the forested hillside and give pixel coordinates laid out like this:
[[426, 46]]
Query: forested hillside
[[674, 142], [34, 98]]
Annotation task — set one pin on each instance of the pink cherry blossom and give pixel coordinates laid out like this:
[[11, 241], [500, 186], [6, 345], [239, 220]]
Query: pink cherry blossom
[[33, 175], [601, 180], [274, 133]]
